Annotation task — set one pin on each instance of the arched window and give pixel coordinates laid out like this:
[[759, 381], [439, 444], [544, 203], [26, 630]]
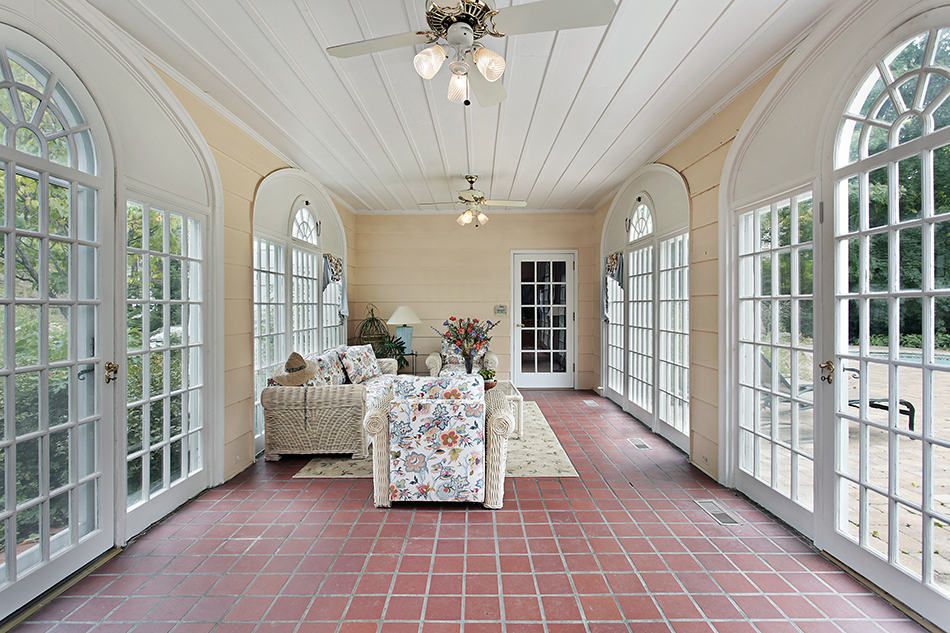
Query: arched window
[[892, 308], [646, 304], [306, 229], [299, 296], [40, 118], [640, 223]]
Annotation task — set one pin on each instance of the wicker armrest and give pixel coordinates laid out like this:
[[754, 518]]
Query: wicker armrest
[[377, 427], [490, 361], [308, 420], [388, 365], [499, 424], [295, 397], [434, 363]]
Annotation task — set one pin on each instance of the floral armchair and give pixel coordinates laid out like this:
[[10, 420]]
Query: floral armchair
[[440, 439], [449, 362]]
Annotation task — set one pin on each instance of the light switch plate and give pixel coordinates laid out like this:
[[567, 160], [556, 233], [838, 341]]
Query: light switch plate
[[501, 310]]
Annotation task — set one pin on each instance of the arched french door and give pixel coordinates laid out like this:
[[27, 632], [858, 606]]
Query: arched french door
[[841, 335], [57, 503]]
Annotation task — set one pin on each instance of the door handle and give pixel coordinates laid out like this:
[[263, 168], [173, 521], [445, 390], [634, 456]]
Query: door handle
[[112, 372], [519, 324], [829, 367]]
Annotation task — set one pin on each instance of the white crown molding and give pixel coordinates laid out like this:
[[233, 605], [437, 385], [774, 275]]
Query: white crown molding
[[489, 212]]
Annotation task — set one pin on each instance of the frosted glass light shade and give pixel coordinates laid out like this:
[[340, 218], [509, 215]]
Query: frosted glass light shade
[[428, 61], [482, 218], [490, 64], [458, 88], [461, 219], [404, 315]]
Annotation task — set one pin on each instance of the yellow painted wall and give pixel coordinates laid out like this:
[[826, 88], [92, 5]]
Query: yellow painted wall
[[440, 269], [242, 162], [700, 159]]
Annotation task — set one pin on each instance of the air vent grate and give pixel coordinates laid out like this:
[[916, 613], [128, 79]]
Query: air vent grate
[[716, 511], [638, 443], [591, 403]]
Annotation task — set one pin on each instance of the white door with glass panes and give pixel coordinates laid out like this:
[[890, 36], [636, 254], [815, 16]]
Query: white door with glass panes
[[56, 322], [544, 306], [842, 336], [776, 342], [164, 367]]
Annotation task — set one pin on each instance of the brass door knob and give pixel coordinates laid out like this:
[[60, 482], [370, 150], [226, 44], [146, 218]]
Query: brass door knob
[[112, 372]]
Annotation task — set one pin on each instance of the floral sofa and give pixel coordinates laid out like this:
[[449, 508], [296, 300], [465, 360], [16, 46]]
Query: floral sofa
[[327, 414], [449, 362], [440, 439]]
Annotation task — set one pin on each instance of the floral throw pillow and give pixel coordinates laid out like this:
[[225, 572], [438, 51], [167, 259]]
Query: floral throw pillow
[[329, 369], [360, 363]]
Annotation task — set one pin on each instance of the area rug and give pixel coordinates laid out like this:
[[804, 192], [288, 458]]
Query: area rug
[[537, 454]]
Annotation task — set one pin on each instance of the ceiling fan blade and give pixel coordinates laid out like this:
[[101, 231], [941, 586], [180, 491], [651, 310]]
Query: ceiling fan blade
[[378, 44], [505, 203], [438, 204], [553, 15], [487, 93]]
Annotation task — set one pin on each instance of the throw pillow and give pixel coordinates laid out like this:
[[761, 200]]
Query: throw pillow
[[329, 369], [360, 363]]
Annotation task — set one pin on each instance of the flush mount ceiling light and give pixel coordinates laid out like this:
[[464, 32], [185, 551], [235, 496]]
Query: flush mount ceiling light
[[460, 26]]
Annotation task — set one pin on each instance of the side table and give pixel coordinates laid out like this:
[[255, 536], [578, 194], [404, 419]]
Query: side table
[[513, 396]]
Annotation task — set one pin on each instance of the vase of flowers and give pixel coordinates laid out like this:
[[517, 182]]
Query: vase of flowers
[[468, 337]]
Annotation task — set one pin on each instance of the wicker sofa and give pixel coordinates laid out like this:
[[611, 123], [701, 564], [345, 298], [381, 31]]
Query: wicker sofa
[[444, 364], [440, 439], [317, 420]]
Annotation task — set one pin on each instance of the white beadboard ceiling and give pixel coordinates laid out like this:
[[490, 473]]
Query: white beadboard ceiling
[[585, 107]]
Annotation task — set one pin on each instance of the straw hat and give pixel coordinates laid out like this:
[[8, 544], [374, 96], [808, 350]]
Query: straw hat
[[298, 371]]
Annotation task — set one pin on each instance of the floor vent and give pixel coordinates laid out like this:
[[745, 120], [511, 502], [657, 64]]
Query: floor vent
[[591, 403], [638, 443], [717, 512]]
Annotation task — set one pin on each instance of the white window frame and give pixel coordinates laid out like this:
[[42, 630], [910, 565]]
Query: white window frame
[[292, 247], [653, 239]]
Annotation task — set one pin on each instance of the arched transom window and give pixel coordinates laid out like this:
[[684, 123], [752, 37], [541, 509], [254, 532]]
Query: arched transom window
[[640, 224], [306, 228], [38, 117], [901, 99]]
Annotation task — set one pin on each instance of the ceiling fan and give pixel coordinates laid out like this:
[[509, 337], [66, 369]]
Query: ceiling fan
[[474, 200], [462, 25]]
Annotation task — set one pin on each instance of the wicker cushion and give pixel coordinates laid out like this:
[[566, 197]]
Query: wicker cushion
[[360, 363]]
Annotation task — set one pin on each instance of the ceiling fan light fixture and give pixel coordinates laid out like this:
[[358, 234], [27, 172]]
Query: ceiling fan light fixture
[[482, 218], [458, 88], [428, 61], [461, 220], [490, 64]]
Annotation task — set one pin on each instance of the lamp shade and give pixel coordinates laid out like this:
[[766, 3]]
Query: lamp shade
[[403, 316]]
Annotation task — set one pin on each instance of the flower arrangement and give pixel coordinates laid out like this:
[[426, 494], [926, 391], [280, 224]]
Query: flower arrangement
[[468, 336]]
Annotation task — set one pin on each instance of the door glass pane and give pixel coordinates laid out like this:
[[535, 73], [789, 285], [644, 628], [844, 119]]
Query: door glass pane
[[167, 315], [895, 388], [673, 352], [777, 407], [48, 386], [305, 297], [639, 294]]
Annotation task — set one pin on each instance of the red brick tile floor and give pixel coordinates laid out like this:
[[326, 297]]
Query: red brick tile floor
[[622, 548]]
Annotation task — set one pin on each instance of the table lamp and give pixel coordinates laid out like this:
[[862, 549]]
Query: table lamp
[[404, 318]]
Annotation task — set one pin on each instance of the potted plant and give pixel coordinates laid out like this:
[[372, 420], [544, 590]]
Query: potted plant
[[489, 376]]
